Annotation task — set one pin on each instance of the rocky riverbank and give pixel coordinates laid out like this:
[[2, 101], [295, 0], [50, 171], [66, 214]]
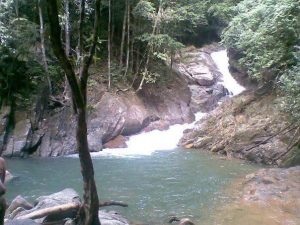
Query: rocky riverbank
[[249, 126]]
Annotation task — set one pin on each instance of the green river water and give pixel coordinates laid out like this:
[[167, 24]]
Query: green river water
[[177, 182]]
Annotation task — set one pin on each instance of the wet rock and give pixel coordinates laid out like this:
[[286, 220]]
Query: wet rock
[[200, 72], [157, 125], [111, 218], [118, 142], [18, 202], [63, 197], [186, 221], [18, 140], [21, 222]]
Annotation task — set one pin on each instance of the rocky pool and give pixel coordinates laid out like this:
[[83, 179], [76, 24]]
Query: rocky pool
[[157, 186]]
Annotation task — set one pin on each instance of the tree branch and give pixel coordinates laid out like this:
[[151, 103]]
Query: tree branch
[[88, 60], [55, 32]]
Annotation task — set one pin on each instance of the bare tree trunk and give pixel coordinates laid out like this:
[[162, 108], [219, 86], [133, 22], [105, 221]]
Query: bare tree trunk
[[67, 27], [17, 8], [150, 46], [80, 37], [123, 36], [108, 44], [42, 35], [128, 38], [88, 213]]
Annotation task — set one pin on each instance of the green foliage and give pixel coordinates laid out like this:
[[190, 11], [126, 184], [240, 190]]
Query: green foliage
[[17, 77], [264, 32], [291, 86]]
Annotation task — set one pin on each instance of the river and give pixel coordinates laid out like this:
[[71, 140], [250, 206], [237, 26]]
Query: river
[[152, 175]]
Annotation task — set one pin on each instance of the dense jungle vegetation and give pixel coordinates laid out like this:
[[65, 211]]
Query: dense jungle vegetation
[[264, 35]]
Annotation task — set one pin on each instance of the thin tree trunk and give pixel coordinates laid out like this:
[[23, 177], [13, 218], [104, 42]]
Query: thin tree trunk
[[150, 46], [128, 38], [80, 37], [123, 36], [108, 44], [67, 27], [88, 213], [17, 8], [42, 35]]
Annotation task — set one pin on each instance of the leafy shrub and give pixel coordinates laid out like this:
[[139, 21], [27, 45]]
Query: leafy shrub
[[264, 32]]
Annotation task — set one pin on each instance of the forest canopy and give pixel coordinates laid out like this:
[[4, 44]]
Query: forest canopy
[[264, 35]]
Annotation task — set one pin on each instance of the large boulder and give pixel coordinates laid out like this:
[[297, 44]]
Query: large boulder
[[63, 197]]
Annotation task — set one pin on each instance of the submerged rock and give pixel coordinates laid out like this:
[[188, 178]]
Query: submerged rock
[[186, 221], [267, 197]]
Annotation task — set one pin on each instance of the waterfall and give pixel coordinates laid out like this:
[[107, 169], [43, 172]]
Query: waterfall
[[221, 60], [146, 143]]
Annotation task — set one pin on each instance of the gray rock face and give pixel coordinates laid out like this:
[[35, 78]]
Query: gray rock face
[[18, 141], [197, 67], [245, 127]]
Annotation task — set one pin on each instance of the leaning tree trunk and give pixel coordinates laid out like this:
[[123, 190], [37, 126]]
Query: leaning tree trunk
[[88, 213]]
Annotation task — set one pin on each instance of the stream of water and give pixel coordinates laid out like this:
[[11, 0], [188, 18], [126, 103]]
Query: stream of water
[[152, 175]]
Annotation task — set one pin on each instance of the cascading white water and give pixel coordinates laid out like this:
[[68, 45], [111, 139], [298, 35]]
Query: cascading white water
[[146, 143], [221, 60]]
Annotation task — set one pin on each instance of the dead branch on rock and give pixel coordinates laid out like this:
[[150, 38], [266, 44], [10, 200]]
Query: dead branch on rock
[[50, 211], [64, 209]]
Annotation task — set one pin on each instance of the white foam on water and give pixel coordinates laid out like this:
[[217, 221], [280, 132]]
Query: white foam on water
[[222, 62], [146, 143]]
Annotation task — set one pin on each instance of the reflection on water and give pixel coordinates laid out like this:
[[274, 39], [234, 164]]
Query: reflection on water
[[177, 182]]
